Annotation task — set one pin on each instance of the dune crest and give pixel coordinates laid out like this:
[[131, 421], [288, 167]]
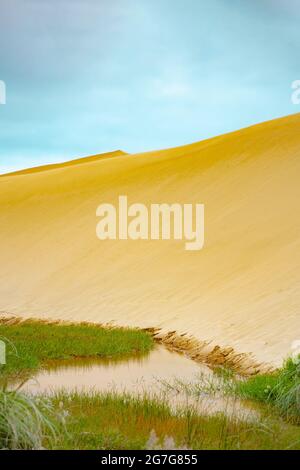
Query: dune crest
[[77, 161], [240, 291]]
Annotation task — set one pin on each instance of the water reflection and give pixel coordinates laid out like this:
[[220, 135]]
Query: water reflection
[[138, 375]]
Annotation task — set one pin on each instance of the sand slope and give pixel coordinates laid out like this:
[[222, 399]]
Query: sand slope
[[241, 290]]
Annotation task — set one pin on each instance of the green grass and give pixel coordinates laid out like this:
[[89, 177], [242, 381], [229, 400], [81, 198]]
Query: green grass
[[111, 421], [31, 343], [120, 422], [281, 390], [24, 421]]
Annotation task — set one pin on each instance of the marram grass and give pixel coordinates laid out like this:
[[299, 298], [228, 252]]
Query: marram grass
[[25, 422]]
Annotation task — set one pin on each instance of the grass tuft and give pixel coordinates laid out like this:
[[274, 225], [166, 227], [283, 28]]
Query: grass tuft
[[281, 389], [24, 422]]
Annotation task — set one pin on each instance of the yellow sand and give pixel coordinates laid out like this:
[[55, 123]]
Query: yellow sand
[[241, 290]]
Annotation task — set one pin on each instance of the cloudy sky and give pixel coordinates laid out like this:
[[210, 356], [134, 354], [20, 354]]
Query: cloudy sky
[[89, 76]]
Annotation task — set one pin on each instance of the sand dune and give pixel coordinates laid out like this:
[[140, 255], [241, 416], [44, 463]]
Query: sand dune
[[241, 290]]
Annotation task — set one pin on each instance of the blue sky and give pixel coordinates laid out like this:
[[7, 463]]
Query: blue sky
[[89, 76]]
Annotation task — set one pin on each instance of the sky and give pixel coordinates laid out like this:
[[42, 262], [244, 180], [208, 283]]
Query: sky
[[89, 76]]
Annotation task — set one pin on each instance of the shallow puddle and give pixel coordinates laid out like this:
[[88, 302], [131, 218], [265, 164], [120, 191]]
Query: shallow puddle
[[148, 374], [134, 374]]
